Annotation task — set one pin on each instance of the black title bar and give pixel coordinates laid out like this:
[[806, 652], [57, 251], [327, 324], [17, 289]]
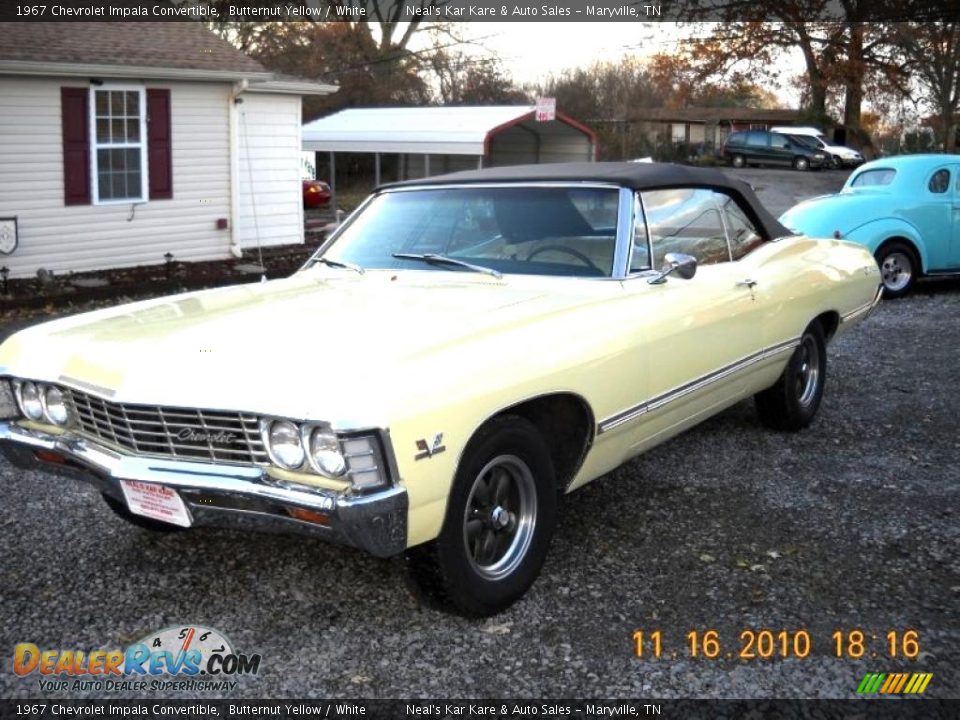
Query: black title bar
[[219, 11], [495, 709]]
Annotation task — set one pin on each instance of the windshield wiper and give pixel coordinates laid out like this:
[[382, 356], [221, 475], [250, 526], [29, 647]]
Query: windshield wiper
[[339, 264], [434, 259]]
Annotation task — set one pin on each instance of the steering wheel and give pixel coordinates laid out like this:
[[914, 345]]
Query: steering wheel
[[569, 251]]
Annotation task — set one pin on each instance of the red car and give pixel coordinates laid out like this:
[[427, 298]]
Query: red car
[[316, 193]]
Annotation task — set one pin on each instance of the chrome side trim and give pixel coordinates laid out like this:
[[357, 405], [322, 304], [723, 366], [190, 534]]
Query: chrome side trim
[[655, 403], [865, 309], [83, 385]]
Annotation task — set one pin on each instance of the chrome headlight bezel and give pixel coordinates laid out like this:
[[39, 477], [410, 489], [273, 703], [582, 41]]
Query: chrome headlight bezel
[[56, 412], [267, 428], [32, 407], [324, 453], [357, 457]]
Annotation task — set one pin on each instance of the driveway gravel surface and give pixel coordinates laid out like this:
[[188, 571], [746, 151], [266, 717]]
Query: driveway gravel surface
[[850, 525]]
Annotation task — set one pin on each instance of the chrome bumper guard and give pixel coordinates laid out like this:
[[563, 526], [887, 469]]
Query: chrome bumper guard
[[220, 495]]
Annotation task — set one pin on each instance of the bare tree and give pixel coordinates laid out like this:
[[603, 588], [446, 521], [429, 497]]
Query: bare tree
[[932, 54]]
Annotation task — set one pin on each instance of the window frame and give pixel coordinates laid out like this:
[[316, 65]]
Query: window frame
[[946, 188], [142, 145], [715, 192], [713, 202]]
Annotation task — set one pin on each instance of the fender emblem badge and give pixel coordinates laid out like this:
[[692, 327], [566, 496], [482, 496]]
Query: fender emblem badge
[[426, 450]]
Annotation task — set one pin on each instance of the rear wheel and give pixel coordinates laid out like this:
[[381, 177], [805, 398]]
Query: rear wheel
[[898, 268], [801, 163], [500, 517], [738, 161], [792, 402]]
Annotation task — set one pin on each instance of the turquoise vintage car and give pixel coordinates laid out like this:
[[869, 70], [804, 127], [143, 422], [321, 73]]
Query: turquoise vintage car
[[903, 209]]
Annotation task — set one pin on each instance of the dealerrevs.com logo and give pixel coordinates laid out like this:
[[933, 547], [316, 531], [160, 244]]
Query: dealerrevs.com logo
[[185, 658]]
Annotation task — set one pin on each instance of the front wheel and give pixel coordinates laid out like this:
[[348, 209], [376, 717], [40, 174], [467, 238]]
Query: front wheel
[[801, 163], [738, 161], [898, 270], [500, 517], [792, 402]]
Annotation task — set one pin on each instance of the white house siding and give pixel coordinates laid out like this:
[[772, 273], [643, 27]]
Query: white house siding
[[271, 194], [91, 237]]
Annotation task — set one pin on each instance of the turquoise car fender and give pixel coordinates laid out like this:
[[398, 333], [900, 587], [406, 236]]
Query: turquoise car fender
[[875, 233]]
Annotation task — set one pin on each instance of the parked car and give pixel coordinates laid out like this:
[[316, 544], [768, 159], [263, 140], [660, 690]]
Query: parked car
[[316, 193], [902, 209], [762, 147], [460, 352], [838, 155]]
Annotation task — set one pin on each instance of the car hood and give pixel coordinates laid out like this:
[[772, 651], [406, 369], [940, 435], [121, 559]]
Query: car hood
[[843, 212], [276, 347], [843, 151]]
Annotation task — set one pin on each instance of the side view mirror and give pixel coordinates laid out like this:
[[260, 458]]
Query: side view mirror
[[684, 265]]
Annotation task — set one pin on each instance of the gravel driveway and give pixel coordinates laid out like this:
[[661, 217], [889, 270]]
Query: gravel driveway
[[852, 524]]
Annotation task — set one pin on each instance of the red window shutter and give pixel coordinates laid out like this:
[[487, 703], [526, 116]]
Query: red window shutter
[[76, 145], [159, 145]]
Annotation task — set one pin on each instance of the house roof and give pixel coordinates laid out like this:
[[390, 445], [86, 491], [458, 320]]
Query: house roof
[[461, 130], [128, 49], [720, 114]]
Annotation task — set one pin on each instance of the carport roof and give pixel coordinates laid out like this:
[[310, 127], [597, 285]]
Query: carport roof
[[428, 130]]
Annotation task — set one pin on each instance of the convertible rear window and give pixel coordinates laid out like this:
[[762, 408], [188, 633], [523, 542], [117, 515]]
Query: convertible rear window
[[533, 230], [878, 176]]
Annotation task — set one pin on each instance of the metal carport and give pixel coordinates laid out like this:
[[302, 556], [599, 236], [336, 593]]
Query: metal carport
[[432, 140]]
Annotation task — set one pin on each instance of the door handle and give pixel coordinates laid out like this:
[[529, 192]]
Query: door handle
[[746, 282]]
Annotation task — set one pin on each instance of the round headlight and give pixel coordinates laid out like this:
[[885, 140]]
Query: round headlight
[[30, 401], [54, 408], [325, 453], [284, 444]]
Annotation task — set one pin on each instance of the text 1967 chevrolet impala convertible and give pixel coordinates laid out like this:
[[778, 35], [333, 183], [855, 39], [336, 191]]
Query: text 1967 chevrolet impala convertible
[[460, 352]]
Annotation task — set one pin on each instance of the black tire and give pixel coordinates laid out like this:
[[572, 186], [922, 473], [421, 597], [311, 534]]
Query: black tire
[[448, 570], [898, 268], [142, 522], [792, 402], [801, 163], [738, 161]]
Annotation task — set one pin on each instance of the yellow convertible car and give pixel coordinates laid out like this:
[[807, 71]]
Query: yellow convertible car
[[462, 350]]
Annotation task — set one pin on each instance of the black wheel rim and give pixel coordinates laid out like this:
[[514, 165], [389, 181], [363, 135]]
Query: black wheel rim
[[808, 370], [500, 517]]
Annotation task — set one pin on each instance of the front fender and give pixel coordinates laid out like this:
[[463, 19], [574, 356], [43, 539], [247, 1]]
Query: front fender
[[876, 232]]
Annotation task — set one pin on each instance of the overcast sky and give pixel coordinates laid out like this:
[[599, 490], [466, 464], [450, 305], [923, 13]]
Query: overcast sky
[[532, 50]]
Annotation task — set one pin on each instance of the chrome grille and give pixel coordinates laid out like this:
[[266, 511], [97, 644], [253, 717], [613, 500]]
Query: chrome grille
[[169, 432]]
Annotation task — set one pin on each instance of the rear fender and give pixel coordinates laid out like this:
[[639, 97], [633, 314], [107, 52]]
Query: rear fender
[[875, 233]]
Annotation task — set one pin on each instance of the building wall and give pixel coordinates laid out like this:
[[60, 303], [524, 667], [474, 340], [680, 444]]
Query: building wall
[[91, 237], [517, 145], [269, 171]]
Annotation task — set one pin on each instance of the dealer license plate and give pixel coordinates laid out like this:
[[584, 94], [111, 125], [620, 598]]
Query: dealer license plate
[[156, 502]]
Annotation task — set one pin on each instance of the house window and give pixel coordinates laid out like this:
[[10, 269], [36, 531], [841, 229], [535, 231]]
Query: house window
[[118, 121], [678, 132]]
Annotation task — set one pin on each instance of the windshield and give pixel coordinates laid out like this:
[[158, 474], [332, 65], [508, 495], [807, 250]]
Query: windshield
[[530, 230]]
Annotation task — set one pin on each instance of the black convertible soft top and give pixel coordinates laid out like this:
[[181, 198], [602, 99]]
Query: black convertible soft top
[[637, 176]]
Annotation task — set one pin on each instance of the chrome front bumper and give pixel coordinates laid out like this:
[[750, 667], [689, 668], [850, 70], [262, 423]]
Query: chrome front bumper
[[223, 495]]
